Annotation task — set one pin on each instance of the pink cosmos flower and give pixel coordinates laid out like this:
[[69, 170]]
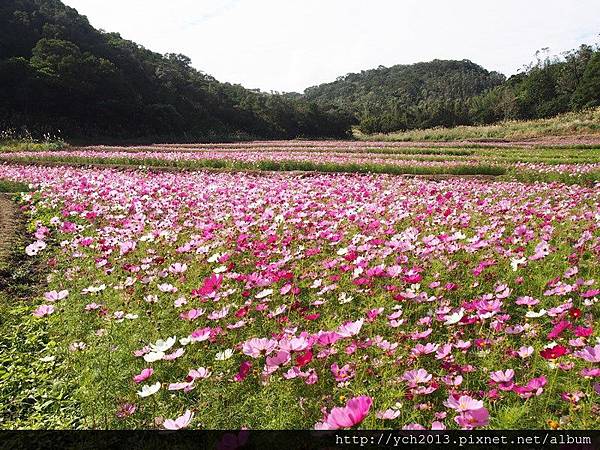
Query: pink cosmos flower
[[558, 329], [35, 248], [535, 386], [503, 379], [347, 416], [43, 310], [280, 358], [525, 352], [350, 329], [414, 377], [54, 296], [201, 334], [174, 354], [256, 347], [209, 286], [473, 418], [388, 414], [143, 375], [243, 372], [125, 410], [590, 354], [342, 374], [200, 373], [590, 372], [421, 349], [526, 300], [186, 386], [463, 403], [181, 422]]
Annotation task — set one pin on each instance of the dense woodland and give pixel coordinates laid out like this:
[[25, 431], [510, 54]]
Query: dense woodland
[[451, 93], [59, 75]]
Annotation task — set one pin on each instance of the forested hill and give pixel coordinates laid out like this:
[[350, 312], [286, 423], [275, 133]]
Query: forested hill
[[450, 93], [408, 96], [59, 73]]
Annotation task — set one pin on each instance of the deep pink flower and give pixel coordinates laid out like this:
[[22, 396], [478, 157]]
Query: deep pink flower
[[243, 372], [143, 375], [553, 352], [352, 414]]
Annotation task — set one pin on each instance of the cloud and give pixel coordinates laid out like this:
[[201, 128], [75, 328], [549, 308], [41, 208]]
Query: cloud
[[288, 46]]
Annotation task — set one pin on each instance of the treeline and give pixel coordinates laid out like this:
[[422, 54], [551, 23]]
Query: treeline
[[59, 75], [451, 93]]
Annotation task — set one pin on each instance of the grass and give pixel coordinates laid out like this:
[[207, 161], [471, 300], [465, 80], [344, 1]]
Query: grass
[[36, 392], [305, 166], [489, 167], [22, 145], [13, 186], [569, 124]]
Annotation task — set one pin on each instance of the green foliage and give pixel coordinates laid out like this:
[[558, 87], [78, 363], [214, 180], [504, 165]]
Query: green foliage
[[59, 73], [13, 186], [35, 384], [404, 97], [457, 93]]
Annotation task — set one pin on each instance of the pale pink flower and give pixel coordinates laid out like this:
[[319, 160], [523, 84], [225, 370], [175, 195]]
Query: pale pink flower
[[258, 346], [43, 310], [590, 354], [463, 403], [414, 377], [180, 422]]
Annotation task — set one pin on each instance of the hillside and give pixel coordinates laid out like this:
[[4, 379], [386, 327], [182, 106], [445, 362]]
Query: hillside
[[456, 93], [59, 74], [419, 95], [578, 128]]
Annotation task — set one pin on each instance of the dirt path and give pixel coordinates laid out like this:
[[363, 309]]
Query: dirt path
[[9, 224]]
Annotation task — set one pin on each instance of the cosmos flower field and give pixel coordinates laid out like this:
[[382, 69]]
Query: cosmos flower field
[[195, 299]]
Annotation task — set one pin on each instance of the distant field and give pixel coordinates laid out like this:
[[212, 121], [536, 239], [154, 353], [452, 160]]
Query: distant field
[[577, 127], [535, 162]]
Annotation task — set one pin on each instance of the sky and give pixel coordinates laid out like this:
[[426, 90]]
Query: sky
[[285, 45]]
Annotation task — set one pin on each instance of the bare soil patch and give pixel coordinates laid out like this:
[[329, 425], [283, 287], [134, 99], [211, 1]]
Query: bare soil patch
[[9, 226]]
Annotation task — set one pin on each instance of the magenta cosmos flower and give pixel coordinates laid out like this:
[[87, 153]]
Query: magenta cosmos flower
[[352, 414]]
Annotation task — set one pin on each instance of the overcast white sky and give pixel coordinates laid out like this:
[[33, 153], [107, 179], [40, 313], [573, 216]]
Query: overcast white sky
[[286, 45]]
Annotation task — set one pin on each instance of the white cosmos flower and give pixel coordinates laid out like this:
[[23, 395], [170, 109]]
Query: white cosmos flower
[[163, 346], [222, 356], [220, 269], [185, 340], [154, 356], [533, 314], [344, 298], [149, 389], [214, 258], [451, 319], [516, 262], [264, 293]]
